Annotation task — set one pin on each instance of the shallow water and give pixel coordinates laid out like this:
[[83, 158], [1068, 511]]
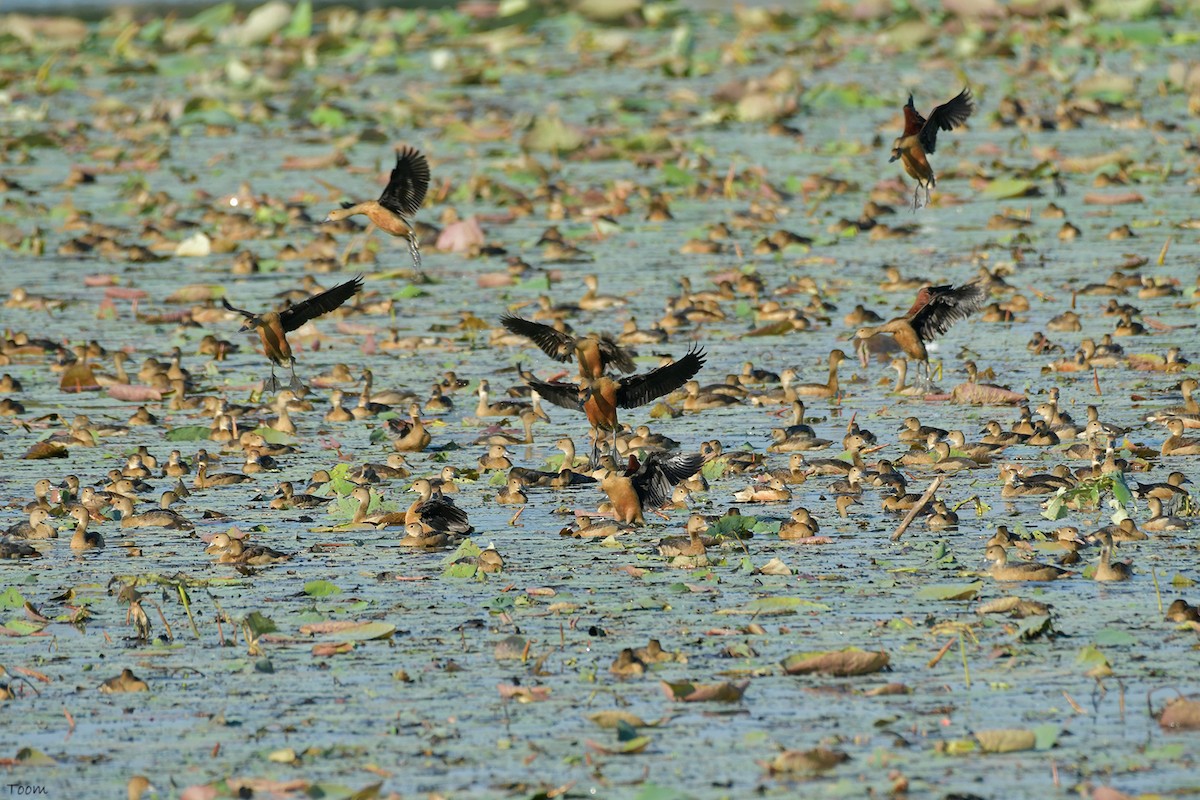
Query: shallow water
[[211, 714]]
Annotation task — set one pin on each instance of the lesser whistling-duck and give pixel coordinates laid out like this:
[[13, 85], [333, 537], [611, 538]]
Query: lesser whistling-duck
[[273, 326], [398, 204], [920, 139]]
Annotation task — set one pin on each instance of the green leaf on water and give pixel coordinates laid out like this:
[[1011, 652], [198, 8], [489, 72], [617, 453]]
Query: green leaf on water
[[321, 588], [715, 469], [1007, 188], [260, 624], [1090, 656], [1179, 582], [22, 627], [651, 791], [326, 116], [1054, 509], [1046, 736], [732, 525], [1112, 637], [340, 484], [273, 436], [773, 606], [408, 292], [188, 433], [11, 598], [460, 570], [1033, 627], [675, 175], [950, 591]]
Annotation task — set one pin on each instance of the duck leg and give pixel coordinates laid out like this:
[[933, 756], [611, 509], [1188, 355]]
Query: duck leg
[[296, 385], [414, 249]]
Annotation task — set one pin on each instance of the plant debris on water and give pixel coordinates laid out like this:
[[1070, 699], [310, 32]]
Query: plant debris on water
[[355, 587]]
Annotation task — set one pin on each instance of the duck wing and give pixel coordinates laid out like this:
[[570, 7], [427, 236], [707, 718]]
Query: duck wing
[[946, 308], [946, 117], [564, 395], [295, 316], [655, 479], [637, 390], [408, 183], [551, 341], [913, 121]]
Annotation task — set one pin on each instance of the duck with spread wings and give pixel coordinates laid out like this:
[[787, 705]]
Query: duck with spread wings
[[393, 212], [600, 397], [274, 326]]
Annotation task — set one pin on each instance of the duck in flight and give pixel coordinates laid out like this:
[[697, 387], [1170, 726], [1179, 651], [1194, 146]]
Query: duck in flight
[[274, 326], [403, 196], [920, 139]]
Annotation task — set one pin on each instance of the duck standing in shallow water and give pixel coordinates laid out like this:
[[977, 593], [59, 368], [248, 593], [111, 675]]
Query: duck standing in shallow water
[[274, 326], [647, 486], [399, 203]]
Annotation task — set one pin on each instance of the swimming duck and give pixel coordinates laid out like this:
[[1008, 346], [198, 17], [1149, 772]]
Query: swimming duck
[[828, 389], [1002, 570], [1177, 444], [83, 539], [512, 494], [413, 437], [162, 517], [36, 527], [800, 525], [230, 550], [288, 498], [1107, 570], [436, 512], [423, 537], [205, 481], [11, 549], [495, 459], [773, 492], [1159, 521]]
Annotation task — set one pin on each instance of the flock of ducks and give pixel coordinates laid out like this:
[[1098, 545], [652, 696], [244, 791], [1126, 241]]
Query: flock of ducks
[[639, 470]]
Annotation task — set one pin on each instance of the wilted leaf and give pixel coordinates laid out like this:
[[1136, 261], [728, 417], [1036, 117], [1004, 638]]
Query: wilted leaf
[[41, 450], [839, 663], [687, 692], [610, 719], [623, 748], [1181, 714], [549, 134], [198, 244], [791, 762], [321, 588]]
